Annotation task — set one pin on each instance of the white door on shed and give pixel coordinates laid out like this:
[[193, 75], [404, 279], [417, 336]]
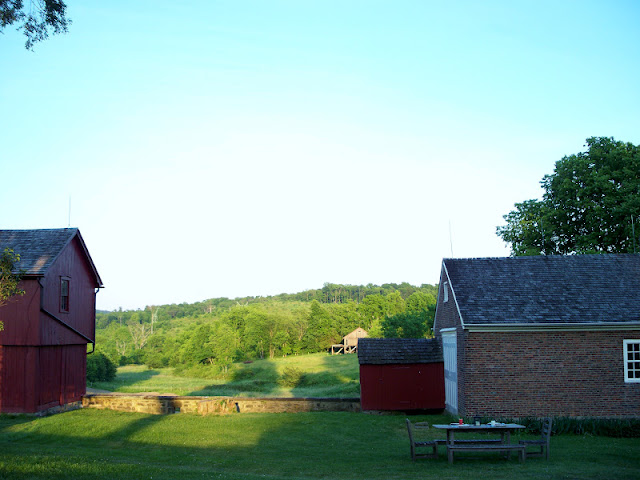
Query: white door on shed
[[450, 353]]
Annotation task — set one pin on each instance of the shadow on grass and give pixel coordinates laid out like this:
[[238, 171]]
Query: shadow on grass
[[127, 379], [10, 421], [339, 378], [322, 384], [250, 379], [105, 444]]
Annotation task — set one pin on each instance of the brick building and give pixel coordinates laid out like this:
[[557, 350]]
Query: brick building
[[538, 336]]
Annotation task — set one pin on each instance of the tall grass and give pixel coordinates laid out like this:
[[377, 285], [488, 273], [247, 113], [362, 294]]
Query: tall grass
[[315, 375], [606, 427]]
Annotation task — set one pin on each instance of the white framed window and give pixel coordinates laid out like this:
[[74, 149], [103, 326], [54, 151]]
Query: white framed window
[[445, 292], [631, 352]]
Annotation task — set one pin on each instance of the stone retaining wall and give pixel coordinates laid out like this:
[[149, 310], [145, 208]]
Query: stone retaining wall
[[162, 405]]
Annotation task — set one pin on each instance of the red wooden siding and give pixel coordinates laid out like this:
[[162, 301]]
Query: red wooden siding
[[17, 381], [33, 379], [26, 324], [402, 386], [62, 375], [71, 264], [21, 316]]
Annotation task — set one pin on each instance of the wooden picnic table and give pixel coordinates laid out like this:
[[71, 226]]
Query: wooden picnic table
[[482, 445]]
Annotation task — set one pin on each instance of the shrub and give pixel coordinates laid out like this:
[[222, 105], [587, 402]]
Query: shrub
[[291, 377], [264, 372], [100, 368], [320, 379], [606, 427], [199, 371], [133, 359]]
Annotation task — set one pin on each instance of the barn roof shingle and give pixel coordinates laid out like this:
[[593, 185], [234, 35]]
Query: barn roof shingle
[[39, 248], [382, 351], [573, 289]]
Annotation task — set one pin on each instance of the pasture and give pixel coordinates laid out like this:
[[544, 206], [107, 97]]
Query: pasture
[[96, 444], [314, 375]]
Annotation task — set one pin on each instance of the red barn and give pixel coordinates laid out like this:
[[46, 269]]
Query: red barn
[[43, 348], [401, 374]]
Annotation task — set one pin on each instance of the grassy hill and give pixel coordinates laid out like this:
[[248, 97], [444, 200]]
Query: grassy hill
[[313, 375]]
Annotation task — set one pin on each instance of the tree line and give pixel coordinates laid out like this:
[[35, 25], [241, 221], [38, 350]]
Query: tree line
[[218, 332]]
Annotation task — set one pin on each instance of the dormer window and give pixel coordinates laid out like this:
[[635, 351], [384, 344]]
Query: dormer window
[[64, 294]]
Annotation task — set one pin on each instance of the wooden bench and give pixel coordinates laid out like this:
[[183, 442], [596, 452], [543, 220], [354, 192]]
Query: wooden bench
[[543, 442], [485, 447], [430, 444]]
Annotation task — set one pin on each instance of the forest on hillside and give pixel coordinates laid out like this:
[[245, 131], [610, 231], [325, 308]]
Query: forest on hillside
[[220, 331]]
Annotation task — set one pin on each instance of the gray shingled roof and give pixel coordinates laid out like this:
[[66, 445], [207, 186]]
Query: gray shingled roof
[[39, 248], [547, 289], [382, 351]]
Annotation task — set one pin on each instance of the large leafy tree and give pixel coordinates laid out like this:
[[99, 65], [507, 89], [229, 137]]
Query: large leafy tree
[[419, 301], [406, 325], [591, 204], [36, 19]]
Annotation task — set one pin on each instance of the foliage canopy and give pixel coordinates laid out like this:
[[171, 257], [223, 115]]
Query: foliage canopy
[[213, 334], [591, 203], [36, 20]]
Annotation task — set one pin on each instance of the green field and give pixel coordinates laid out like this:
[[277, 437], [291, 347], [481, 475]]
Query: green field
[[315, 375], [103, 444]]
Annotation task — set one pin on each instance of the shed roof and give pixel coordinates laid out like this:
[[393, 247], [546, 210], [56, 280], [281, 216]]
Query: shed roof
[[357, 332], [575, 289], [39, 248], [382, 351]]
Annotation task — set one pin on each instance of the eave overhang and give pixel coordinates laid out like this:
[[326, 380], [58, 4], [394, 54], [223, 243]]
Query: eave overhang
[[552, 327]]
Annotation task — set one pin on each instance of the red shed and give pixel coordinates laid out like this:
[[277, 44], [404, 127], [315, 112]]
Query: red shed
[[43, 347], [401, 374]]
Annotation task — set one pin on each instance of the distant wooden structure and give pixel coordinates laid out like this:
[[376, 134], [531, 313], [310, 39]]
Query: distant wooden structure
[[349, 342]]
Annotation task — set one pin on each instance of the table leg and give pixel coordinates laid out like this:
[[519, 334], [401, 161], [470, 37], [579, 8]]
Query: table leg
[[450, 440]]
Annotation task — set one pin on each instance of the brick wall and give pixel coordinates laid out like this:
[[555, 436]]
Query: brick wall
[[556, 373], [161, 405], [516, 374]]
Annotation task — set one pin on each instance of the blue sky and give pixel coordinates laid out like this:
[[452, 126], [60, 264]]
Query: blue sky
[[232, 148]]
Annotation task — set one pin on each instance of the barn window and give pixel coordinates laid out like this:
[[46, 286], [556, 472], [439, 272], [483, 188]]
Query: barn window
[[631, 353], [64, 294]]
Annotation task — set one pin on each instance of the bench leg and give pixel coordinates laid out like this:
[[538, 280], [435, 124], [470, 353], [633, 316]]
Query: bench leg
[[450, 455], [522, 455]]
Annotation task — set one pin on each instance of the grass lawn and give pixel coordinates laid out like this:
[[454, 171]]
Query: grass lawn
[[96, 444], [323, 376]]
